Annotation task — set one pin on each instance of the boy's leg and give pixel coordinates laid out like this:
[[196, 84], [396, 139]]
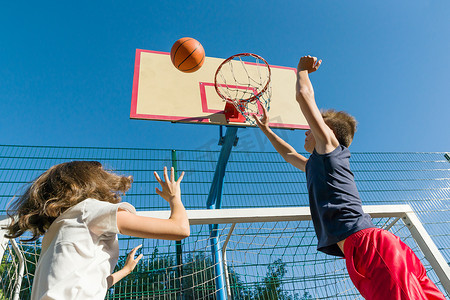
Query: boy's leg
[[383, 267]]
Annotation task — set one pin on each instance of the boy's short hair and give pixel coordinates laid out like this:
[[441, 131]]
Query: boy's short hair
[[342, 124]]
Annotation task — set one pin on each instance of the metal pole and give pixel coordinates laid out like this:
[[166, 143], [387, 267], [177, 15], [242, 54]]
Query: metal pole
[[20, 272], [429, 249], [224, 253], [214, 202]]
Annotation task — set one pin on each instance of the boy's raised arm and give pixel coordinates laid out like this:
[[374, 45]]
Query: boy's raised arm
[[284, 149], [325, 139]]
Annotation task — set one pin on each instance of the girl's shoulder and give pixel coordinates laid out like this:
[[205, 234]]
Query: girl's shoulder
[[84, 207], [95, 204], [101, 216]]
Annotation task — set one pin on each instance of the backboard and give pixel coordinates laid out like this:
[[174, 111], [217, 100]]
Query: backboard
[[161, 92]]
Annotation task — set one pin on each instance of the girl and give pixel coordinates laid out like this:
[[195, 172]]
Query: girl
[[76, 206]]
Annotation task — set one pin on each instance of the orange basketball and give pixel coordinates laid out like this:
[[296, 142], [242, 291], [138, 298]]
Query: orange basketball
[[187, 55]]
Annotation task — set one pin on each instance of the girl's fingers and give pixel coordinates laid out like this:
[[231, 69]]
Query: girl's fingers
[[172, 174], [139, 257], [132, 252], [135, 249], [166, 177], [157, 177], [181, 177]]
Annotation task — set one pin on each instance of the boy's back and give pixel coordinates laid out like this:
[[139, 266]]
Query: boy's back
[[336, 208]]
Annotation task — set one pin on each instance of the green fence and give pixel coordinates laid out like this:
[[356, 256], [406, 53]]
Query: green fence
[[253, 179]]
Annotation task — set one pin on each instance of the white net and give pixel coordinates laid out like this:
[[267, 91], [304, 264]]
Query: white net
[[244, 81], [17, 269]]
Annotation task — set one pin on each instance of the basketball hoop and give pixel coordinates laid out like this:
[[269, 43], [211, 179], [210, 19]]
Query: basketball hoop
[[246, 90]]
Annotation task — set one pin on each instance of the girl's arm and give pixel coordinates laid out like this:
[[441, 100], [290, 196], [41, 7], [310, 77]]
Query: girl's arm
[[174, 228], [130, 264]]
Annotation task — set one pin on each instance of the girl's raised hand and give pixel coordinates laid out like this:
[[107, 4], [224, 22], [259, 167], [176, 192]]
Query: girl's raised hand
[[170, 188]]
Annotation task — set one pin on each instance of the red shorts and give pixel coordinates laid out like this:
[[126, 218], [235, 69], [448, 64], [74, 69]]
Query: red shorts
[[382, 267]]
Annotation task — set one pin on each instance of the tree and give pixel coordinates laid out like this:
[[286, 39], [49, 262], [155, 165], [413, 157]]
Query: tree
[[152, 278], [237, 286], [158, 276], [271, 286]]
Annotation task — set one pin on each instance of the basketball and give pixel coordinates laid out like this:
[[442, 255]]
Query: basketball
[[187, 55]]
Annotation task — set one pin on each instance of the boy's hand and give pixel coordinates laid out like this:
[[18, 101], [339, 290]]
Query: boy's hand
[[170, 187], [308, 63], [131, 262], [264, 122]]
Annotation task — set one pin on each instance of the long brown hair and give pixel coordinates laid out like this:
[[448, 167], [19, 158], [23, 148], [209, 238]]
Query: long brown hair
[[59, 188]]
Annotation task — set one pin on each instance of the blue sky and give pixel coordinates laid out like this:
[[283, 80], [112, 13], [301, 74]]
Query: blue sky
[[66, 68]]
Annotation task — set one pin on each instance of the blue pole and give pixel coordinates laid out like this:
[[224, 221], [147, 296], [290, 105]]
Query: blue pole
[[214, 202]]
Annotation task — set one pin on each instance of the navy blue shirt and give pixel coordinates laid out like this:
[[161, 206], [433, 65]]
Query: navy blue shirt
[[336, 208]]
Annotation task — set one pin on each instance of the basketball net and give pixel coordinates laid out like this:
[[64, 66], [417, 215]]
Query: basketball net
[[243, 81]]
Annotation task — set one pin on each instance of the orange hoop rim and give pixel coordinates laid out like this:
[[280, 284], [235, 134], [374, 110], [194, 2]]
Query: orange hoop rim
[[254, 97]]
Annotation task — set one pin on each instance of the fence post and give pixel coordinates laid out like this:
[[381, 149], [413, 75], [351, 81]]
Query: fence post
[[214, 202]]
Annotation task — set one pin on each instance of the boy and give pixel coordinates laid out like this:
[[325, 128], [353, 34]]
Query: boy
[[379, 264]]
